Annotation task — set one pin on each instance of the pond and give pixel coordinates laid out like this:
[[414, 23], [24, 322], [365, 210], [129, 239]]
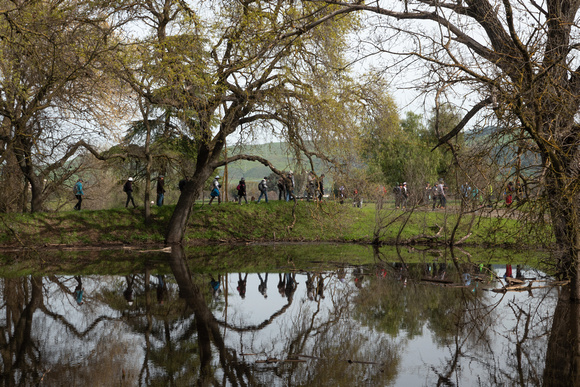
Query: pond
[[282, 316]]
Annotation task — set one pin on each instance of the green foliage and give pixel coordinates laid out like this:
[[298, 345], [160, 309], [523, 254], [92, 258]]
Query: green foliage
[[403, 151]]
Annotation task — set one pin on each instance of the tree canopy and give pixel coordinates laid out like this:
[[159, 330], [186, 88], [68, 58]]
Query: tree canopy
[[516, 64]]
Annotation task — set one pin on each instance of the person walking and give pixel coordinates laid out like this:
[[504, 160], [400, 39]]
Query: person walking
[[440, 194], [242, 191], [310, 186], [128, 189], [160, 190], [357, 198], [341, 194], [263, 187], [509, 194], [281, 188], [435, 195], [427, 194], [404, 195], [397, 193], [289, 185], [215, 192], [78, 191], [320, 188]]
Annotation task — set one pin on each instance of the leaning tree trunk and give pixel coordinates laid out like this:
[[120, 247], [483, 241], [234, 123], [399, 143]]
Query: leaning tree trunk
[[178, 222], [207, 154]]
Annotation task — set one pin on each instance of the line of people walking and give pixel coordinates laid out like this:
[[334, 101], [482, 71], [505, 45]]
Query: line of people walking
[[285, 184]]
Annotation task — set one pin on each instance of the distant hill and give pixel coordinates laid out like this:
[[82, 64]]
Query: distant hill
[[276, 152], [504, 150]]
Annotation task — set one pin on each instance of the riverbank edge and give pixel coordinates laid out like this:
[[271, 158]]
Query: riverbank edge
[[254, 224]]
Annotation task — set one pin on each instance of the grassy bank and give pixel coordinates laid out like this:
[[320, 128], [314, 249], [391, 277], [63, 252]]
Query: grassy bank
[[262, 222]]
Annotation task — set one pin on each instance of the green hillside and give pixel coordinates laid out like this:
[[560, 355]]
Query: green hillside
[[276, 152]]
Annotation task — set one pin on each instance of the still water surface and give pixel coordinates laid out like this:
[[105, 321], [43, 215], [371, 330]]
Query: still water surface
[[379, 323]]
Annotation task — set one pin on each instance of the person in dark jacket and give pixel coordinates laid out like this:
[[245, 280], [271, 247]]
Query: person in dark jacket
[[128, 188], [242, 191], [263, 187], [160, 190], [320, 188], [281, 188]]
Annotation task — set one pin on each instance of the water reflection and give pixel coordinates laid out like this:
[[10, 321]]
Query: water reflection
[[438, 322]]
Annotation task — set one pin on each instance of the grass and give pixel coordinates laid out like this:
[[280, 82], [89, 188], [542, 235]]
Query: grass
[[229, 222]]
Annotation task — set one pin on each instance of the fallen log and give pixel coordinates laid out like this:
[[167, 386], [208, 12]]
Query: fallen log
[[436, 280]]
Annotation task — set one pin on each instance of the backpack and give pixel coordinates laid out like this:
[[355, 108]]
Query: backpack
[[261, 185], [239, 187], [125, 187], [76, 189]]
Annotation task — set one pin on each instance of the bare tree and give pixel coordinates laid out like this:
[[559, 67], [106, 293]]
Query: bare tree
[[516, 60], [50, 81]]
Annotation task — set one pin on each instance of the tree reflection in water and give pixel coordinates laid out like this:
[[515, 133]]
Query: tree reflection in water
[[435, 323]]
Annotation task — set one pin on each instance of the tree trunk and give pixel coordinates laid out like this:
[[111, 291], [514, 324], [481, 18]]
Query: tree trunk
[[148, 190], [36, 201], [178, 222], [563, 354], [206, 154], [145, 113], [564, 212], [235, 373]]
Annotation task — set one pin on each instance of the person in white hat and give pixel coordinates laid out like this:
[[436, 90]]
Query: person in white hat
[[404, 195], [128, 188], [215, 192]]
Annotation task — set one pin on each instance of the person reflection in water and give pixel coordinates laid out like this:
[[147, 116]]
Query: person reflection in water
[[79, 290], [358, 277], [403, 272], [310, 286], [216, 286], [281, 284], [466, 279], [161, 289], [242, 285], [341, 273], [508, 271], [320, 288], [263, 286], [442, 270], [291, 285], [128, 293]]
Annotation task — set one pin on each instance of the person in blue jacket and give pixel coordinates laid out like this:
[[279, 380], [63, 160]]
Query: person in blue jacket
[[78, 191]]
